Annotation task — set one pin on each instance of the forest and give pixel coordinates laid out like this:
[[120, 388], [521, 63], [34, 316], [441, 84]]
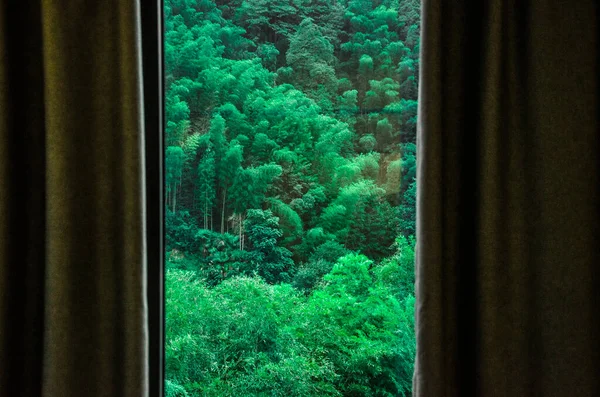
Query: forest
[[290, 190]]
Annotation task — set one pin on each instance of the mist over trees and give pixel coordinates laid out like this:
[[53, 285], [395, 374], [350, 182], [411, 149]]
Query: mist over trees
[[290, 196]]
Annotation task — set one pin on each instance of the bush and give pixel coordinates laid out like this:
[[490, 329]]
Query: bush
[[173, 389], [180, 230]]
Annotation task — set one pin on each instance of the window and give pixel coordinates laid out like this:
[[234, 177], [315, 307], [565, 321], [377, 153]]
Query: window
[[289, 157]]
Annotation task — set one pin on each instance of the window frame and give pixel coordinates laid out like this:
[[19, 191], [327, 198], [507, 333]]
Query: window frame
[[152, 66], [151, 26]]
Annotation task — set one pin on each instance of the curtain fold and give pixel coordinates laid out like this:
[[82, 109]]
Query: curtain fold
[[508, 200], [73, 315]]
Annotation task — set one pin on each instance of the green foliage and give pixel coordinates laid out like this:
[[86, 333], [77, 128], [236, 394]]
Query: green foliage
[[239, 339], [217, 256], [309, 274], [357, 318], [311, 57], [181, 229], [266, 258], [321, 261], [177, 113], [407, 210], [174, 159], [393, 179], [173, 389], [398, 270], [206, 188], [289, 220], [409, 165], [365, 66], [368, 142], [353, 334], [290, 169]]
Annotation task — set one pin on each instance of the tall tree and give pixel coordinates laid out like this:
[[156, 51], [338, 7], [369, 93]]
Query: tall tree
[[173, 172], [311, 57], [206, 188]]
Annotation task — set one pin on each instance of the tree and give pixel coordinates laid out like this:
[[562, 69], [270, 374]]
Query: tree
[[177, 113], [174, 158], [358, 318], [180, 231], [229, 169], [408, 218], [311, 57], [365, 67], [206, 188], [270, 261], [289, 221]]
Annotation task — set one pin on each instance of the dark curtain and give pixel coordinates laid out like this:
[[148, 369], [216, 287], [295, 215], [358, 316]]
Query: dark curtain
[[508, 264], [72, 256]]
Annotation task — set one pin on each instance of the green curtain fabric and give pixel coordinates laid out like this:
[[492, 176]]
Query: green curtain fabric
[[72, 256], [508, 200]]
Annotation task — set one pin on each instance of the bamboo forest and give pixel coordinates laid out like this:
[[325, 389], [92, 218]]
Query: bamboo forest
[[290, 172]]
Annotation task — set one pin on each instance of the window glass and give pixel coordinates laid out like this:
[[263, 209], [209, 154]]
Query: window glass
[[290, 197]]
